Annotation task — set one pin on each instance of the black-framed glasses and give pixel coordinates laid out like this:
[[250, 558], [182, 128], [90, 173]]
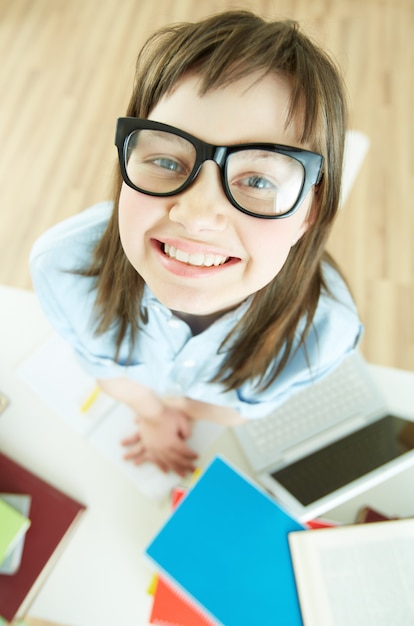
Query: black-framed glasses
[[261, 179]]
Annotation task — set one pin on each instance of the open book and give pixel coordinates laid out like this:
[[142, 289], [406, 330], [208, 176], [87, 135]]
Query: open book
[[54, 374], [356, 575]]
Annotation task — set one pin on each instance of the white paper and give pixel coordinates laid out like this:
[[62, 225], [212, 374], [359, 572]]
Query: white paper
[[54, 374]]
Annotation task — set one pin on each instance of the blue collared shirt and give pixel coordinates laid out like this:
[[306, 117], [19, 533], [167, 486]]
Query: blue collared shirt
[[166, 356]]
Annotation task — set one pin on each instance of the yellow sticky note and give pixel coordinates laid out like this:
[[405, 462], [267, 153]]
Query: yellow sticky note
[[152, 586], [90, 400], [195, 475]]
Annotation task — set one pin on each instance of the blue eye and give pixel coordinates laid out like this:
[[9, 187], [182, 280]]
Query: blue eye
[[255, 183], [168, 164], [258, 182]]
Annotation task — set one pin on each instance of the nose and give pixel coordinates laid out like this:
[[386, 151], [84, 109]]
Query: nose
[[203, 205]]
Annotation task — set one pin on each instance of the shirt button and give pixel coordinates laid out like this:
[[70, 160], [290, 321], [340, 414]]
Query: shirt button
[[189, 363], [155, 307], [173, 323]]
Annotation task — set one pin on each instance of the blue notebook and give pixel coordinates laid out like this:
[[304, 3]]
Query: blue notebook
[[226, 547]]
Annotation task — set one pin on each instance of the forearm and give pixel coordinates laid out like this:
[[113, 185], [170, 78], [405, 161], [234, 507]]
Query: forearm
[[148, 405], [138, 397], [205, 411]]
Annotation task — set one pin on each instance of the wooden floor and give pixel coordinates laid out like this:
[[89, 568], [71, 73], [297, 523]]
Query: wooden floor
[[66, 73]]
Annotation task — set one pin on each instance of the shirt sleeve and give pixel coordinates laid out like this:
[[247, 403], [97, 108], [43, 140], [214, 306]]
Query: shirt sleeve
[[66, 297]]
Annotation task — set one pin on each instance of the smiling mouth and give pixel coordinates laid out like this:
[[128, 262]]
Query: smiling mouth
[[197, 259]]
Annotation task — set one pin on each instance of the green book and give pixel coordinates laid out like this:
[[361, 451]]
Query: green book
[[21, 502], [12, 526]]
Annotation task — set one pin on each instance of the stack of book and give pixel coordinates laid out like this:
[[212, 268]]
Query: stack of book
[[36, 519], [223, 556], [170, 607], [230, 555]]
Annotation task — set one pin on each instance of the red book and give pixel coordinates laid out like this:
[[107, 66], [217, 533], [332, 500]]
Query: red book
[[178, 494], [53, 514], [170, 608], [320, 523], [367, 515]]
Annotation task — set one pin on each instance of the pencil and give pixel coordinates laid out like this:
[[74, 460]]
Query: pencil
[[90, 400]]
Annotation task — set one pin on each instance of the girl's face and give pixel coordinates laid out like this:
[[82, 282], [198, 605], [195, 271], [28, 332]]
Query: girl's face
[[200, 223]]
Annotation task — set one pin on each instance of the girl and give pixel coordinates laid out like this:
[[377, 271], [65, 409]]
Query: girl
[[203, 291]]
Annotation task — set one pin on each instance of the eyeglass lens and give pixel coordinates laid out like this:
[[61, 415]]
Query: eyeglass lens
[[263, 182]]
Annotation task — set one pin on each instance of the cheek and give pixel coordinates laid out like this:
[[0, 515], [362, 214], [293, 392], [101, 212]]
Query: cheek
[[135, 215], [281, 235], [129, 208], [133, 223], [271, 242]]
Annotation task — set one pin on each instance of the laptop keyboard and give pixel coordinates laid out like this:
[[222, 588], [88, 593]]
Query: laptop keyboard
[[323, 405]]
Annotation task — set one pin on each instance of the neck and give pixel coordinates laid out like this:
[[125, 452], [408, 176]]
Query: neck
[[198, 323]]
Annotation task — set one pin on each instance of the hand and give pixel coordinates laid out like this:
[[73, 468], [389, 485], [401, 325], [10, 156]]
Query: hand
[[161, 440]]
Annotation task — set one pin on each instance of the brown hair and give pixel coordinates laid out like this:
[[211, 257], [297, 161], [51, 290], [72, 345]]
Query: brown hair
[[221, 49]]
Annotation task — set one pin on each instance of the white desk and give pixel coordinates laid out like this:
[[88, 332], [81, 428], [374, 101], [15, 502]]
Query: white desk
[[102, 577]]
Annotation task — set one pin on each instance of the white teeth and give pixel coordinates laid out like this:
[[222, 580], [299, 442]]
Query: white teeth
[[181, 256], [198, 259]]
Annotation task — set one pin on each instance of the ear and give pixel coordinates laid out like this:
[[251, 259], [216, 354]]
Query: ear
[[307, 222], [301, 231]]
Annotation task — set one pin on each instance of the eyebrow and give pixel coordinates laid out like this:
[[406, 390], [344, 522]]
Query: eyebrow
[[263, 154], [170, 137]]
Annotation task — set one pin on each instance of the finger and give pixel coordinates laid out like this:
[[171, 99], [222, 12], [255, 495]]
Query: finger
[[185, 428], [182, 467], [164, 467], [184, 451], [137, 452], [178, 463], [156, 458], [166, 462], [131, 439]]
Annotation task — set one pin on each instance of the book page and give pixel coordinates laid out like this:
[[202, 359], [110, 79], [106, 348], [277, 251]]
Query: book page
[[147, 477], [54, 374], [361, 575]]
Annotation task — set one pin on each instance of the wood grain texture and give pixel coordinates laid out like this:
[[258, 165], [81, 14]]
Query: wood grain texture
[[65, 75]]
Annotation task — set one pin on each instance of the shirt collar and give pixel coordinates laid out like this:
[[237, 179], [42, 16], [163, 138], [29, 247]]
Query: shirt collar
[[150, 301]]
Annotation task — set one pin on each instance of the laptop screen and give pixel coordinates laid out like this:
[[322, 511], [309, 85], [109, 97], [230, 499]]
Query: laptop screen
[[347, 459]]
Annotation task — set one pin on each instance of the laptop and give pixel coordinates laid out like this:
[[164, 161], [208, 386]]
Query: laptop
[[328, 443]]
